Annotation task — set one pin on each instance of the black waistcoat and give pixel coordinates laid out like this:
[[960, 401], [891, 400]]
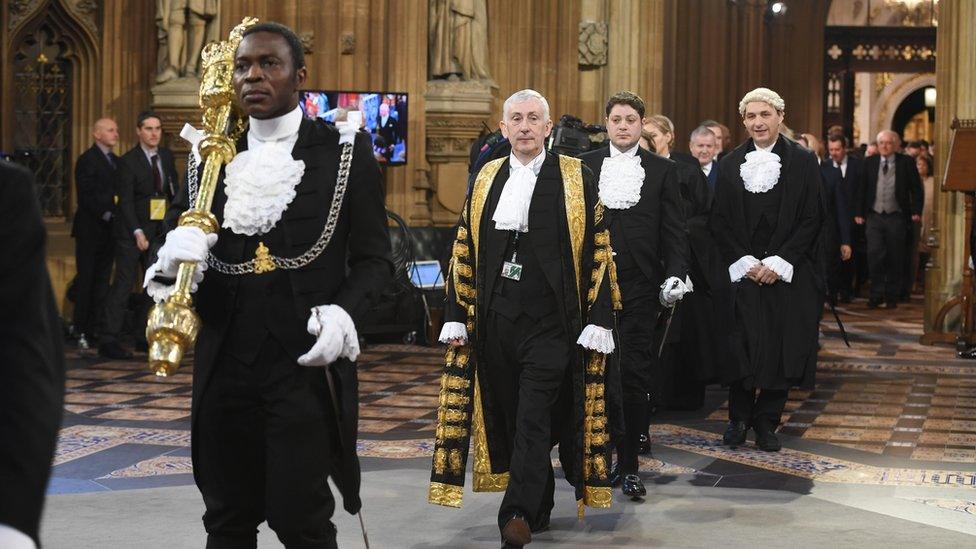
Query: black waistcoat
[[762, 211], [531, 294]]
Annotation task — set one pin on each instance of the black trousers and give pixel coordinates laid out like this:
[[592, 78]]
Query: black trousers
[[854, 273], [94, 250], [764, 409], [262, 440], [887, 236], [527, 363], [128, 259], [635, 326]]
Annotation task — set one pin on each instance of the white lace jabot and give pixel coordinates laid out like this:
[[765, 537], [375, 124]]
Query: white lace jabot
[[260, 182], [621, 179], [512, 211], [760, 171]]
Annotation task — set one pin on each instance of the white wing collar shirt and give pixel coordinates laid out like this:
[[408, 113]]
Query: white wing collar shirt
[[512, 211], [760, 173]]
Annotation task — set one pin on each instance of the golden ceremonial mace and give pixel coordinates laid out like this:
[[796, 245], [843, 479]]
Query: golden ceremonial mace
[[173, 325]]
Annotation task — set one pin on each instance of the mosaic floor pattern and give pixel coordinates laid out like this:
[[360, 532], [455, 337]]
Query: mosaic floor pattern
[[886, 397]]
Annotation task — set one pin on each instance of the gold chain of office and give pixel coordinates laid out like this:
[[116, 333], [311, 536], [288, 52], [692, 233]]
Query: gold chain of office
[[263, 261]]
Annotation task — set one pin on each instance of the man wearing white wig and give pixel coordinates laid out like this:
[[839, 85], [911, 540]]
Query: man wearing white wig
[[528, 316], [766, 218]]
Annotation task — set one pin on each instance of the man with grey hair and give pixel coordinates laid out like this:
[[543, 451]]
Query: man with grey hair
[[703, 145], [889, 199], [766, 218], [530, 282]]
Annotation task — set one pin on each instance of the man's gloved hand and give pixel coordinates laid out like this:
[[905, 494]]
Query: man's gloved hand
[[336, 333], [672, 291], [183, 244]]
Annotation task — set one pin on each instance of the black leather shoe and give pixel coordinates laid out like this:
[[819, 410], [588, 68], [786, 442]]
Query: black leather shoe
[[967, 354], [615, 474], [891, 305], [633, 487], [874, 303], [516, 531], [735, 434], [645, 445], [114, 351], [766, 439]]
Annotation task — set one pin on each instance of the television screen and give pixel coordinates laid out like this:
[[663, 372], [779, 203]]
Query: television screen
[[384, 117]]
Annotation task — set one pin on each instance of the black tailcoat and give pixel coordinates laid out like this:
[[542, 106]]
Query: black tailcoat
[[31, 357], [774, 339], [351, 272], [654, 227]]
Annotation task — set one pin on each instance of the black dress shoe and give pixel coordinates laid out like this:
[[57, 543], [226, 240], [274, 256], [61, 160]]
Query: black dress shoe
[[114, 351], [735, 434], [969, 354], [874, 303], [516, 531], [766, 439], [645, 445], [891, 305], [633, 487], [615, 474]]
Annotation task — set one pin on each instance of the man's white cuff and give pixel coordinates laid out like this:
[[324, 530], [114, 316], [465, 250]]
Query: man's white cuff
[[11, 538], [596, 339], [453, 330], [739, 269], [780, 266]]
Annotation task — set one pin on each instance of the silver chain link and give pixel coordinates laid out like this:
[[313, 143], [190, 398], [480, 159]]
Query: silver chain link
[[342, 182]]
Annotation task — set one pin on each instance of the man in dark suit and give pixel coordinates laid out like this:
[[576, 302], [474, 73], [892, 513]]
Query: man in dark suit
[[147, 184], [646, 218], [95, 183], [766, 220], [854, 267], [388, 129], [275, 405], [31, 361], [890, 199], [703, 145], [837, 226]]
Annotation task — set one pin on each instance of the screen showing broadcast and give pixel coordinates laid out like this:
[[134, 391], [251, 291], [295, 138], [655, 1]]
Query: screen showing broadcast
[[384, 117]]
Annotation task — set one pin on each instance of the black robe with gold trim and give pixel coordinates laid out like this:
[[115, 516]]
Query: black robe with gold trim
[[584, 265]]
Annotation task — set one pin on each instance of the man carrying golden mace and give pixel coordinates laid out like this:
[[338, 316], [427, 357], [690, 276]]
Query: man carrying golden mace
[[295, 246]]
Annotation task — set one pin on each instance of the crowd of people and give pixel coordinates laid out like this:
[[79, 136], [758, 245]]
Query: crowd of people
[[583, 293]]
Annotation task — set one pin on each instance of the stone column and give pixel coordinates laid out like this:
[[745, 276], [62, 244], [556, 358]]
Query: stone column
[[955, 76], [177, 102], [457, 112]]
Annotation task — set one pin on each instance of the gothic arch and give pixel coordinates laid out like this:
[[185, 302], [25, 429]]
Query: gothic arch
[[73, 23]]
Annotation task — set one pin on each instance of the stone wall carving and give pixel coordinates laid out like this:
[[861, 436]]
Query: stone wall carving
[[593, 41]]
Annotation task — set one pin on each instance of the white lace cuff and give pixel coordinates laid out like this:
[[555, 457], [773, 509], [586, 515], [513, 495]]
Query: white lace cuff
[[11, 538], [779, 266], [739, 269], [334, 317], [453, 330], [596, 339]]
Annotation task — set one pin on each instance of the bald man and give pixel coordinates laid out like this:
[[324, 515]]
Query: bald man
[[95, 182], [889, 199]]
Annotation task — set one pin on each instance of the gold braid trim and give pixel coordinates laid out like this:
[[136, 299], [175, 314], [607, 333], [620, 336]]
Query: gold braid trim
[[483, 480], [598, 497], [447, 495], [571, 170]]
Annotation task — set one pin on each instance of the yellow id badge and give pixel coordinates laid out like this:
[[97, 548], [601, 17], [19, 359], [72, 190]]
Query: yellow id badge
[[157, 209]]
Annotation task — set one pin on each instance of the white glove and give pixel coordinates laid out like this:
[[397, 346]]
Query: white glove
[[453, 330], [336, 335], [596, 339], [182, 244], [672, 291]]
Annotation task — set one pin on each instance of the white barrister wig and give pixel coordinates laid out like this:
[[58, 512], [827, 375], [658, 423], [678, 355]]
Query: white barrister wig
[[764, 95]]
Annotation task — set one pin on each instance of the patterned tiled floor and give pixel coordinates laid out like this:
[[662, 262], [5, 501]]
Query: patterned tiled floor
[[887, 396]]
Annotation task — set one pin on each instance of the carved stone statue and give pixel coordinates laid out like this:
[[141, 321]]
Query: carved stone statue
[[184, 27], [458, 40]]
